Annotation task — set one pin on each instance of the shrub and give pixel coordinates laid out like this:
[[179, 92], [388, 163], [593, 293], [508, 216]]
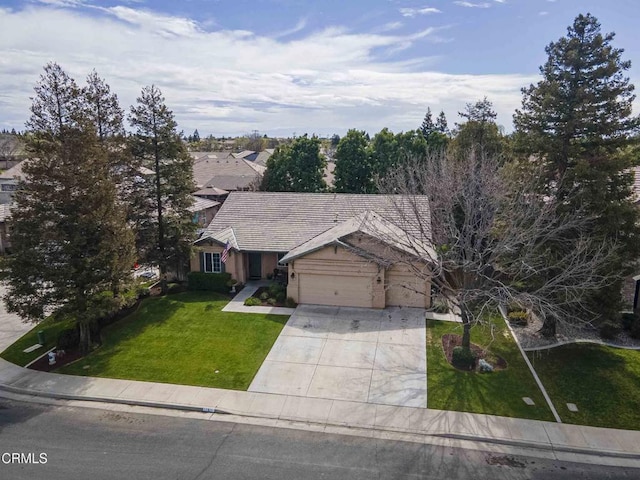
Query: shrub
[[463, 358], [68, 339], [609, 330], [518, 317], [272, 301], [252, 302], [275, 289], [214, 282], [485, 366], [281, 296], [264, 296], [290, 303]]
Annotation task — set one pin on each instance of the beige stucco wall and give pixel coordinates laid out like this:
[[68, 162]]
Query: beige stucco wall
[[234, 265], [269, 263]]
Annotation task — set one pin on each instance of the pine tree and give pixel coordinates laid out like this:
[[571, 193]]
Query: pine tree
[[70, 239], [167, 232], [353, 172], [441, 123], [479, 131], [427, 127], [577, 121]]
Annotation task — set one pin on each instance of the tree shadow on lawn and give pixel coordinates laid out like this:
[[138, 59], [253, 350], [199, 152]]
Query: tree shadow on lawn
[[602, 382]]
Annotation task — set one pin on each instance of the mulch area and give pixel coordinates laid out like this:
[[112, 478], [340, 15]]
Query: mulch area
[[257, 294], [42, 365], [452, 340]]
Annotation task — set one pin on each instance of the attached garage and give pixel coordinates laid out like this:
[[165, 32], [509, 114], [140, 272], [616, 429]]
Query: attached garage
[[402, 289], [341, 291]]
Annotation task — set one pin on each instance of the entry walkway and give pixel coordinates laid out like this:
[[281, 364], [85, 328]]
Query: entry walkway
[[237, 303], [355, 354]]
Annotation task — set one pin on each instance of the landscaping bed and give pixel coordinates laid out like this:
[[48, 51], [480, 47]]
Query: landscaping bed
[[496, 393], [452, 340]]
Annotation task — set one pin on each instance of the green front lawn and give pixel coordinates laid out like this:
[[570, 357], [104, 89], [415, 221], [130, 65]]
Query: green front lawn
[[51, 328], [496, 393], [184, 339], [603, 382]]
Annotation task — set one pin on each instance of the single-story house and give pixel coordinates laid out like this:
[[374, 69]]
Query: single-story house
[[221, 170], [203, 211], [5, 240], [336, 249]]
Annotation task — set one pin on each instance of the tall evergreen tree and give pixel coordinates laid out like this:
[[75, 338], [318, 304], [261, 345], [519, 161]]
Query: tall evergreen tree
[[103, 109], [168, 231], [479, 131], [441, 123], [577, 121], [427, 127], [353, 173], [70, 236]]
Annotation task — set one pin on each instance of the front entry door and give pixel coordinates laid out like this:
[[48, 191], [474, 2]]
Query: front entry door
[[255, 265]]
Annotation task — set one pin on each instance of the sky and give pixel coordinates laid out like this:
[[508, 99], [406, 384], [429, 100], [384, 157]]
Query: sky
[[289, 67]]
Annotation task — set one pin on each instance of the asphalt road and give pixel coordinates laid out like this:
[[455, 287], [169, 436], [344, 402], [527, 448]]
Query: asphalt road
[[83, 443]]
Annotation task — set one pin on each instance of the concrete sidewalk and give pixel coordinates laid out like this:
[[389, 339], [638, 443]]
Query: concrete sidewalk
[[551, 440]]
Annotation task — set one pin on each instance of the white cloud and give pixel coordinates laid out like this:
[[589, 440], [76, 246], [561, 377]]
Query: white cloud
[[413, 12], [233, 81], [473, 5], [542, 14]]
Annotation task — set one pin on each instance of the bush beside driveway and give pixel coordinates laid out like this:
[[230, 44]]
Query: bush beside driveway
[[496, 393], [184, 339]]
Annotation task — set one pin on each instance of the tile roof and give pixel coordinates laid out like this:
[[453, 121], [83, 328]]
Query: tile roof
[[13, 172], [226, 173], [202, 204], [279, 222], [211, 191], [370, 224], [5, 212], [636, 184]]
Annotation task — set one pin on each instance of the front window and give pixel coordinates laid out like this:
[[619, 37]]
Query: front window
[[212, 263]]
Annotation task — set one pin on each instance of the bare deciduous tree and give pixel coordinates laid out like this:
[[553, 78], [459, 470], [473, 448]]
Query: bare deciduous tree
[[488, 240]]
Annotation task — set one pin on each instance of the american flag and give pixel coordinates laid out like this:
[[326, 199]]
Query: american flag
[[225, 253]]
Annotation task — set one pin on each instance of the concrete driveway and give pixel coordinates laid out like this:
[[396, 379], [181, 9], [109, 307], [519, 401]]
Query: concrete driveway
[[357, 354]]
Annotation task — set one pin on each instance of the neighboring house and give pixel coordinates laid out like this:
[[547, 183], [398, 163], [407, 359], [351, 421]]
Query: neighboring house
[[221, 170], [212, 193], [631, 285], [9, 183], [5, 241], [203, 212], [339, 249]]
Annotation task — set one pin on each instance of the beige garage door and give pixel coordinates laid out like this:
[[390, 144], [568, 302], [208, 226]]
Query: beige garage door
[[398, 295], [342, 291]]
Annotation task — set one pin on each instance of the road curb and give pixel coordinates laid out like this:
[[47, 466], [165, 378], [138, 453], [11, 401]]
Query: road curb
[[212, 410]]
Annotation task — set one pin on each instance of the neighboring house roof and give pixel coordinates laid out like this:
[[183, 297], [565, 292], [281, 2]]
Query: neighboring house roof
[[279, 222], [214, 155], [200, 204], [225, 173], [262, 157], [243, 154], [213, 191], [13, 173], [372, 225], [636, 184], [5, 212]]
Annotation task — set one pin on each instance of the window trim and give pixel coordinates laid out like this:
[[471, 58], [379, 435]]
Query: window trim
[[212, 263]]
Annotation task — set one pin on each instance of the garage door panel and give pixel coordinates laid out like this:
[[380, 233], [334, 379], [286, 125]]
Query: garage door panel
[[338, 290], [405, 291]]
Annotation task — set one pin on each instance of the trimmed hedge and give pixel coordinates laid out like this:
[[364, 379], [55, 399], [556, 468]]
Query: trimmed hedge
[[463, 358], [214, 282]]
